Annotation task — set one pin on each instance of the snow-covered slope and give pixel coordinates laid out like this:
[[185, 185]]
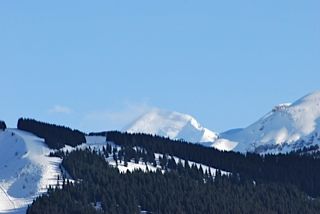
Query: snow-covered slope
[[173, 125], [25, 170], [97, 143], [287, 127]]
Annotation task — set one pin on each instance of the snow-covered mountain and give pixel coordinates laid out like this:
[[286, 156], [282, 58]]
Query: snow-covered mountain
[[25, 170], [285, 128], [173, 125]]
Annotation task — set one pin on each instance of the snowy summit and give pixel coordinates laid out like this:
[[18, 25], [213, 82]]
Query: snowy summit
[[174, 125], [287, 127]]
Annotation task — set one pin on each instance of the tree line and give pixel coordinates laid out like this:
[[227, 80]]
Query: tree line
[[302, 171], [100, 188], [56, 137]]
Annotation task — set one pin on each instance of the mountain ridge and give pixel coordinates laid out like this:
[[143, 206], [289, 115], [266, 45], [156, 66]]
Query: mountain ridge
[[287, 127], [283, 128]]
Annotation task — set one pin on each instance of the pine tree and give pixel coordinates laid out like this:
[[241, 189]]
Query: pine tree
[[3, 125]]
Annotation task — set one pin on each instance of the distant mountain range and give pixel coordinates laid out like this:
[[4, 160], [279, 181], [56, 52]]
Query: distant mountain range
[[285, 128]]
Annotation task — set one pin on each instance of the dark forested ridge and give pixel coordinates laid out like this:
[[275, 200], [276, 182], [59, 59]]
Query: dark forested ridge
[[55, 136], [3, 125], [284, 183], [102, 189], [302, 171]]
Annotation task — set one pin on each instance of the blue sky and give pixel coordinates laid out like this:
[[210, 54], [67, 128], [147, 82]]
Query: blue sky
[[97, 65]]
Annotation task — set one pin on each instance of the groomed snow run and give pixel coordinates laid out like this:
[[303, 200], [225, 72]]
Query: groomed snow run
[[26, 171]]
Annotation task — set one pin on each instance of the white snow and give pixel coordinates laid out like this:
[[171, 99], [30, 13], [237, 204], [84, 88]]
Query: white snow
[[205, 168], [224, 144], [285, 128], [174, 125], [132, 166], [26, 170]]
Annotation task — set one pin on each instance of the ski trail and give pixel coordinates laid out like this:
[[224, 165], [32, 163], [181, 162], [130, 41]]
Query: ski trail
[[3, 196]]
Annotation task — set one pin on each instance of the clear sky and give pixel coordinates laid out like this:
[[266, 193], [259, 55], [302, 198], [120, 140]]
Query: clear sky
[[96, 65]]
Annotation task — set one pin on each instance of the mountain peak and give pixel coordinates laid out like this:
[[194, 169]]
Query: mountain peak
[[171, 124], [281, 107], [286, 126]]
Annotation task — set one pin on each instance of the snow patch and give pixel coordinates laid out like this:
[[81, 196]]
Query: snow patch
[[224, 145]]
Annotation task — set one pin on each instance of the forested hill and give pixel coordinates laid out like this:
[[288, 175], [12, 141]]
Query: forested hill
[[102, 189], [302, 171]]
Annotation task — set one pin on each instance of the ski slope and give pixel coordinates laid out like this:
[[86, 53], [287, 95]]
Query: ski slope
[[25, 170]]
